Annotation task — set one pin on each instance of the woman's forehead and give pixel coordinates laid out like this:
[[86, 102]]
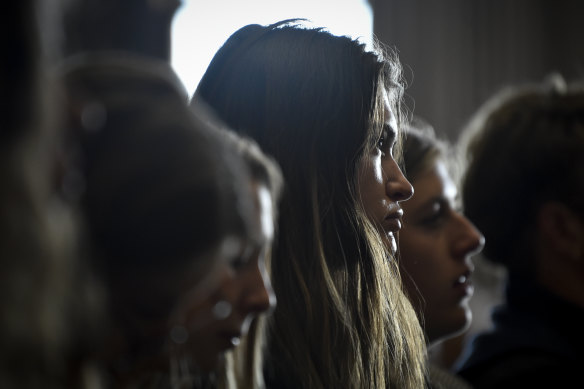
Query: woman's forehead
[[389, 116]]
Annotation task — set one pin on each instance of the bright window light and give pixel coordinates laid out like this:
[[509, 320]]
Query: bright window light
[[201, 26]]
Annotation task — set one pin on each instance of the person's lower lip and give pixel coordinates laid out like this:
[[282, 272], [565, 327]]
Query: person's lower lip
[[392, 224], [465, 289]]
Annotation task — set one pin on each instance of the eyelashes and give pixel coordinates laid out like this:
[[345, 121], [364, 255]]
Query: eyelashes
[[433, 220], [440, 213], [249, 257], [240, 261], [385, 145], [381, 142], [387, 140]]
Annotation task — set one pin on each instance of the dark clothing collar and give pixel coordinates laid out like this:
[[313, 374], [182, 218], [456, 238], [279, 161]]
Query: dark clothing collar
[[531, 319]]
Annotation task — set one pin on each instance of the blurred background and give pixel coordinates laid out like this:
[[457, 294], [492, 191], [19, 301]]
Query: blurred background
[[455, 53]]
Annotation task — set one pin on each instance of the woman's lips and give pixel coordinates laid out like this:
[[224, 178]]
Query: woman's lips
[[392, 222], [464, 285]]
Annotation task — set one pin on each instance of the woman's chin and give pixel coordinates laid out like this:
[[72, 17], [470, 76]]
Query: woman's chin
[[391, 243]]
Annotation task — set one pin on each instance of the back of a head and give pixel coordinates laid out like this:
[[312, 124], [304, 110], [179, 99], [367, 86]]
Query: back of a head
[[160, 187], [312, 100], [143, 151], [139, 26], [524, 147]]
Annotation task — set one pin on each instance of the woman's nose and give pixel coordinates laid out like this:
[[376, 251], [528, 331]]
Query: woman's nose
[[470, 240], [259, 295], [397, 186]]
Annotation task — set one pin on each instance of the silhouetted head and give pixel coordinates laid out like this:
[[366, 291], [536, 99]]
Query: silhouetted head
[[525, 148], [166, 201]]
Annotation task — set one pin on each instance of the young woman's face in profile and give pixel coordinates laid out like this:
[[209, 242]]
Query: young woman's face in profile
[[381, 183], [217, 322], [435, 246]]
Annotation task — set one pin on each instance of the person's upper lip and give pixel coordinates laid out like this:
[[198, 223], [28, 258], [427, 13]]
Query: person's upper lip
[[393, 219], [464, 277], [394, 213]]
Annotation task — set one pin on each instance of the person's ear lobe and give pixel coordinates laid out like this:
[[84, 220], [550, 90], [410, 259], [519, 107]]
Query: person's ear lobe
[[563, 228]]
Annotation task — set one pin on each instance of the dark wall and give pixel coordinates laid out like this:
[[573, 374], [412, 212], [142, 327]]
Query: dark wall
[[456, 53]]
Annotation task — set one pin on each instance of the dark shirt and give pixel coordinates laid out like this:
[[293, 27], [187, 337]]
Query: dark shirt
[[537, 341], [440, 378]]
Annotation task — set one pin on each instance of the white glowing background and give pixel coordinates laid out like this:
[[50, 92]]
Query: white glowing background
[[200, 27]]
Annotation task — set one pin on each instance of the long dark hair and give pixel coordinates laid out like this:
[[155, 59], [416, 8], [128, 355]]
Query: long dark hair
[[314, 102]]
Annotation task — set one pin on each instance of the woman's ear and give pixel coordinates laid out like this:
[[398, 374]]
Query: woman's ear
[[563, 229]]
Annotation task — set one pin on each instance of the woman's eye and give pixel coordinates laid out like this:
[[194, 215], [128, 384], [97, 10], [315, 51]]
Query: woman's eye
[[381, 142], [384, 145], [432, 220], [238, 262], [251, 255], [242, 259], [435, 217]]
